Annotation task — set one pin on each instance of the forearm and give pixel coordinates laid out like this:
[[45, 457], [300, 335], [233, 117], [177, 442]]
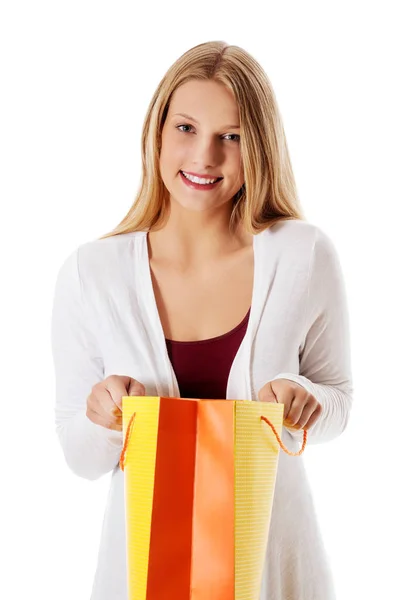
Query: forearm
[[90, 450]]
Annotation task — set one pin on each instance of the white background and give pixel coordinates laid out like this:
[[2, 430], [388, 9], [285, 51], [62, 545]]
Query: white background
[[76, 79]]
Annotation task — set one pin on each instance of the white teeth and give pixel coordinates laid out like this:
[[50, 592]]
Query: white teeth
[[199, 179]]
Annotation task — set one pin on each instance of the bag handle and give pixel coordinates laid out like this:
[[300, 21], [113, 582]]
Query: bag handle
[[280, 441], [132, 420], [128, 433]]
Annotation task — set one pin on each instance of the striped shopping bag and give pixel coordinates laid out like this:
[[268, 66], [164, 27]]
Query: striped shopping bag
[[199, 485]]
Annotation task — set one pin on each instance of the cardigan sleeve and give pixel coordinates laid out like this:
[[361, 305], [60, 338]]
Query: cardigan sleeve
[[325, 354], [90, 450]]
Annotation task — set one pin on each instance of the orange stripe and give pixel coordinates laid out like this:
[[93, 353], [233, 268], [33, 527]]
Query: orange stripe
[[213, 562], [171, 527]]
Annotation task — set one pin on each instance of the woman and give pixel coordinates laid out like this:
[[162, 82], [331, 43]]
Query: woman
[[212, 286]]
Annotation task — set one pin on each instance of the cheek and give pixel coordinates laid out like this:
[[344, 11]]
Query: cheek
[[172, 156], [166, 160]]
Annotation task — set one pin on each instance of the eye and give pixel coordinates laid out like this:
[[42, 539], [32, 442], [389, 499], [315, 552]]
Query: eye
[[232, 135], [185, 125], [235, 135]]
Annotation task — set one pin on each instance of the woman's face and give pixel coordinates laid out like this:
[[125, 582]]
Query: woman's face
[[201, 136]]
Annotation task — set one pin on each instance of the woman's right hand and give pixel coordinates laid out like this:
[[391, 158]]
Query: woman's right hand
[[104, 404]]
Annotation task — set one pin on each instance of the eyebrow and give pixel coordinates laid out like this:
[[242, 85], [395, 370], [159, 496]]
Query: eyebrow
[[195, 120]]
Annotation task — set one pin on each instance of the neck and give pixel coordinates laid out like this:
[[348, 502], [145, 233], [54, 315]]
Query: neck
[[193, 239]]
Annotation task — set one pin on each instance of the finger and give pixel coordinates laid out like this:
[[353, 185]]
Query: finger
[[116, 386], [102, 410], [314, 417], [136, 388], [101, 401], [299, 413], [297, 407], [286, 395], [109, 422], [125, 379], [306, 417], [133, 387], [266, 394]]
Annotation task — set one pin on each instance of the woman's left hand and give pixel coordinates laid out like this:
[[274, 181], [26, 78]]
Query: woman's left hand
[[301, 410]]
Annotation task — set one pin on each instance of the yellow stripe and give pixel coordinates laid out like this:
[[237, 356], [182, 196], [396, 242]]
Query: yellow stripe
[[256, 462], [140, 462]]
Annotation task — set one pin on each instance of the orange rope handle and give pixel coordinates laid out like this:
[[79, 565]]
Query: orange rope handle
[[128, 433], [132, 420], [280, 441]]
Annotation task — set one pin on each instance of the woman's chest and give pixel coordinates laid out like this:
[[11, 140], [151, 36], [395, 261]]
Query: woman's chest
[[203, 305], [132, 313]]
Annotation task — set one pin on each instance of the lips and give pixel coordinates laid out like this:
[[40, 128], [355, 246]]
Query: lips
[[203, 187], [206, 176]]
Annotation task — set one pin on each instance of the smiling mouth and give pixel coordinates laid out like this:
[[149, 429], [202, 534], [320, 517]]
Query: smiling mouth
[[216, 179]]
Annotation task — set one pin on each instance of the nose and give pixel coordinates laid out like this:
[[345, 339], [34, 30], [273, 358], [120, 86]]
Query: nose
[[207, 152]]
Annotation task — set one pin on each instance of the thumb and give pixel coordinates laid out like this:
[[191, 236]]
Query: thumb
[[135, 388], [266, 394]]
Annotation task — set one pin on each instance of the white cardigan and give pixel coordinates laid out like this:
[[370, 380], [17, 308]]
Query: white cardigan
[[105, 321]]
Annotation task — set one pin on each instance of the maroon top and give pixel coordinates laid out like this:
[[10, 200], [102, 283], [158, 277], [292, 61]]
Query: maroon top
[[202, 368]]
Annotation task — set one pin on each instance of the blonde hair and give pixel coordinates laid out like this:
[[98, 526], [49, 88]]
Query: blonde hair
[[269, 193]]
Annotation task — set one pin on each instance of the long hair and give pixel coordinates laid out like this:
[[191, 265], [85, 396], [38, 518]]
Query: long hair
[[269, 192]]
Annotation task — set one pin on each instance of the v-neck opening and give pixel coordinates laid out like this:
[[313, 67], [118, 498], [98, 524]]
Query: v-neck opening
[[151, 305]]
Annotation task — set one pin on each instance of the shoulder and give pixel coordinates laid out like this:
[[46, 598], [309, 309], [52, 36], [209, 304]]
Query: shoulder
[[295, 237], [301, 236], [98, 259], [109, 245], [293, 230], [304, 243], [106, 256], [290, 243]]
